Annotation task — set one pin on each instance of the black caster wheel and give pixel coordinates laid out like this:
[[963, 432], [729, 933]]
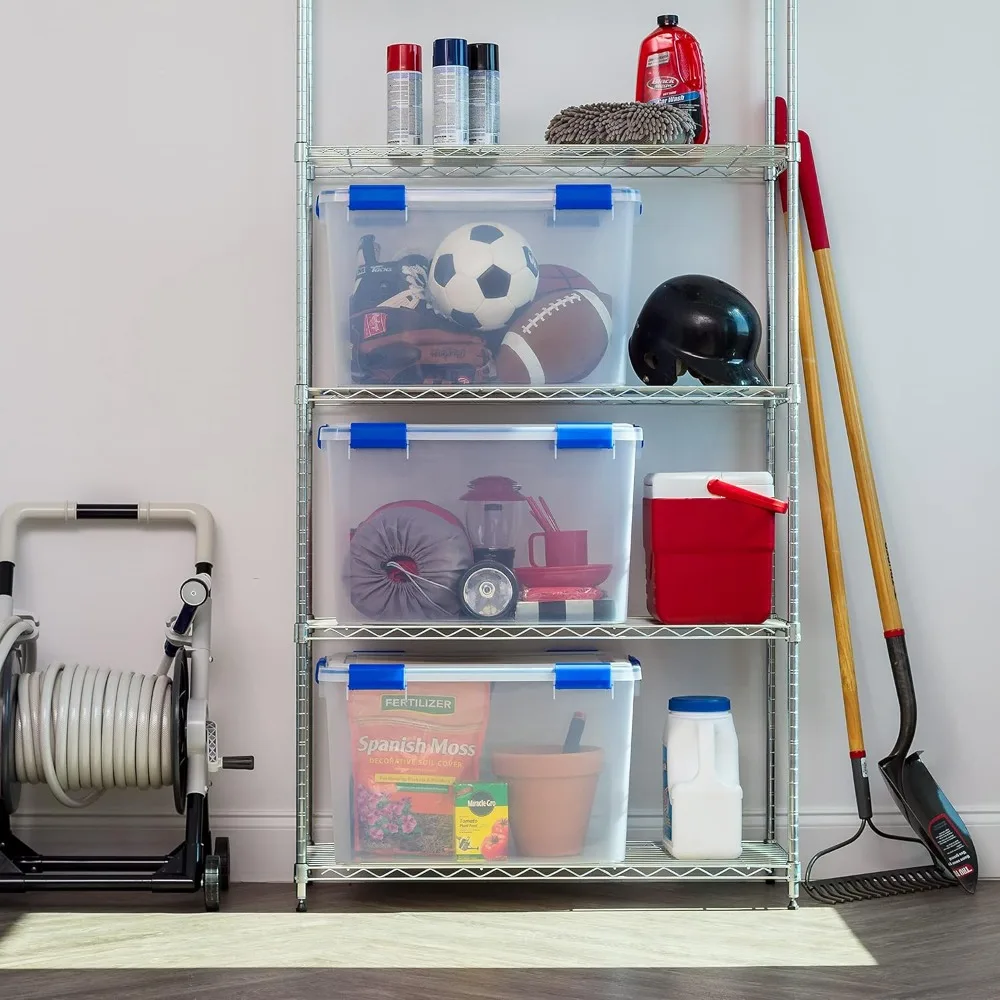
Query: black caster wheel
[[222, 853], [212, 882], [300, 906], [770, 881]]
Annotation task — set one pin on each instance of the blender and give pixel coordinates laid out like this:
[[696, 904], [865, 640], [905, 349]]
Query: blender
[[493, 506]]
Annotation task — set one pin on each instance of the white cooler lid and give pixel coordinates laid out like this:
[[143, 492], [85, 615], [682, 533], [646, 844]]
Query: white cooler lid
[[694, 485]]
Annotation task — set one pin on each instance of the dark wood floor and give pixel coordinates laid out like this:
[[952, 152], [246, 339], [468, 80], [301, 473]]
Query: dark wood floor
[[927, 946]]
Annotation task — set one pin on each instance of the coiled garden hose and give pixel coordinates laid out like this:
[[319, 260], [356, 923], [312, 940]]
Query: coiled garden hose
[[87, 729]]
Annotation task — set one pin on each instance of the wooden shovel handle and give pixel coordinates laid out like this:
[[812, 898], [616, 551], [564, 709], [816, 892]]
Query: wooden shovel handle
[[812, 204]]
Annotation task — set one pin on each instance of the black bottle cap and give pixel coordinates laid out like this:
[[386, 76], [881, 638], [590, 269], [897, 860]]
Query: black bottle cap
[[668, 20], [484, 56]]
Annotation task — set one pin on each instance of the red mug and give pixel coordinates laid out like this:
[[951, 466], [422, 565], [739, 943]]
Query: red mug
[[562, 548]]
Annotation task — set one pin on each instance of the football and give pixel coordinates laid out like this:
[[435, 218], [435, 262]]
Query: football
[[481, 274], [561, 338], [557, 278]]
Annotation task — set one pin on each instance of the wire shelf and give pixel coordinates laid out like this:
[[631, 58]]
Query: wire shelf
[[633, 628], [546, 160], [643, 861], [703, 394]]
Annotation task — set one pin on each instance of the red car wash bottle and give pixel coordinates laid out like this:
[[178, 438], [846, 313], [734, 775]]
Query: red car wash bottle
[[672, 71]]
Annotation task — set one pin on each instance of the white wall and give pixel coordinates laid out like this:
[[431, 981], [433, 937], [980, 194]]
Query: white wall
[[147, 293]]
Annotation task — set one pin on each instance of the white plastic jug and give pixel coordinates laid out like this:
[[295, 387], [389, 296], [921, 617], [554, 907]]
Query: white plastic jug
[[702, 797]]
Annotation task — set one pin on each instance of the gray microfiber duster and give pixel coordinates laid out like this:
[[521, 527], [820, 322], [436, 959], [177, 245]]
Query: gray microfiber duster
[[628, 123]]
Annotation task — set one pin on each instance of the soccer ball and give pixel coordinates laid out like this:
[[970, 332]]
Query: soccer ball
[[481, 274]]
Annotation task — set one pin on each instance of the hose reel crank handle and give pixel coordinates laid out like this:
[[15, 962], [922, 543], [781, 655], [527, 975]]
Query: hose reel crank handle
[[195, 592], [215, 761], [238, 763]]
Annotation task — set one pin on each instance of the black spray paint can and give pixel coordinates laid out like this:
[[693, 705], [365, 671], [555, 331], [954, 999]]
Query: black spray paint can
[[484, 94]]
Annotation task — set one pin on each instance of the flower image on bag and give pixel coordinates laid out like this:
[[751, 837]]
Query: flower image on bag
[[409, 749], [382, 821]]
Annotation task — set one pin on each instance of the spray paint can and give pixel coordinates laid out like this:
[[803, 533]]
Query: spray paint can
[[484, 94], [451, 92], [404, 95]]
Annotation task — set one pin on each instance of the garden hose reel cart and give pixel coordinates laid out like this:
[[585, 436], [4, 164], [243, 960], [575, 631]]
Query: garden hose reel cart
[[81, 730]]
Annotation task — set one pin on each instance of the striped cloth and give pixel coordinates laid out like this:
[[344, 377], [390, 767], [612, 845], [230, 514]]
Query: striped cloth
[[566, 611]]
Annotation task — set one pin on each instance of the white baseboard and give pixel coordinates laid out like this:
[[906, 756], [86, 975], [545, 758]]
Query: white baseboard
[[263, 844]]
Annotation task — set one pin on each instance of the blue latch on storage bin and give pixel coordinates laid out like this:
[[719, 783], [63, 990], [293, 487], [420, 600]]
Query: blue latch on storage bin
[[577, 436], [583, 677], [376, 198], [376, 677], [321, 664], [583, 205], [379, 435], [584, 197]]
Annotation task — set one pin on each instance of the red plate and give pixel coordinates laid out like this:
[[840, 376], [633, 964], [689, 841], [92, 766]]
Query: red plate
[[562, 576]]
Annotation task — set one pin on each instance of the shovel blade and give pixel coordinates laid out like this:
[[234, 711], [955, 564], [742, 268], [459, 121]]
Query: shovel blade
[[933, 818]]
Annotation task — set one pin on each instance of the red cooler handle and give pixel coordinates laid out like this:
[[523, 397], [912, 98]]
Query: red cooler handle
[[719, 488]]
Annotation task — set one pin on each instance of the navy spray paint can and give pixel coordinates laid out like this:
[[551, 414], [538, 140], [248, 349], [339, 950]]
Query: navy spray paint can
[[451, 92]]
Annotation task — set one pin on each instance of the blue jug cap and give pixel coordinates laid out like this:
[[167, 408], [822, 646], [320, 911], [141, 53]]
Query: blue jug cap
[[699, 703]]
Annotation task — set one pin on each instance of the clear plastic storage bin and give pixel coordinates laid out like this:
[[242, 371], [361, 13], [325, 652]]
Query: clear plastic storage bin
[[473, 285], [447, 761], [437, 523]]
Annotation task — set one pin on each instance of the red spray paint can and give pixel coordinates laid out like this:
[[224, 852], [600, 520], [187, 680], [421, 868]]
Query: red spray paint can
[[672, 71]]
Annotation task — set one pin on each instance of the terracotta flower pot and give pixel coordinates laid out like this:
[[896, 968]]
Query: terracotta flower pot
[[551, 794]]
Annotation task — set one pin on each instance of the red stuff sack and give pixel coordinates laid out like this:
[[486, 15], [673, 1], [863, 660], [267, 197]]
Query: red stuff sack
[[409, 748]]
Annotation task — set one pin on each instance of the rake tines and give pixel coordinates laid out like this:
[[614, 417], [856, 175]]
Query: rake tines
[[878, 885], [874, 885]]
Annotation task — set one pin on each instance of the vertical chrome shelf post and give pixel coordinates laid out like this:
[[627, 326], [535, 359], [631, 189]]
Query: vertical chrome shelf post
[[794, 629], [303, 411], [770, 424]]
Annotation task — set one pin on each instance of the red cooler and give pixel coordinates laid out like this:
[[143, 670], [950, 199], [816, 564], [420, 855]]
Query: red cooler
[[709, 541]]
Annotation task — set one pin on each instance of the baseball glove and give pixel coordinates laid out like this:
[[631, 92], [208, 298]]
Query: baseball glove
[[398, 339]]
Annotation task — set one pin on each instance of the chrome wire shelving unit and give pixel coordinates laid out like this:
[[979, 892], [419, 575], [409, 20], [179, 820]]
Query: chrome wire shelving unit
[[766, 859]]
